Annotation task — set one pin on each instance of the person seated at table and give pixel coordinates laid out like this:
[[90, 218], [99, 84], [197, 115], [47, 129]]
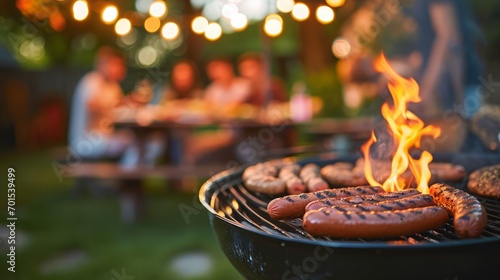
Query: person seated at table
[[225, 88], [184, 83], [225, 91], [96, 96], [265, 88]]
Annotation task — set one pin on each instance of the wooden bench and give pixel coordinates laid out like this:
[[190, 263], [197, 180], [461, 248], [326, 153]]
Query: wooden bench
[[130, 180]]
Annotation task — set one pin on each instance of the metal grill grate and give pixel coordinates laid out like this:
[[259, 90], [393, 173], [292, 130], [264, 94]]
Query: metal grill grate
[[237, 205]]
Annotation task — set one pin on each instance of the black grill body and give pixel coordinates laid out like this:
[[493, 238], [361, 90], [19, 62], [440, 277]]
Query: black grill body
[[263, 248]]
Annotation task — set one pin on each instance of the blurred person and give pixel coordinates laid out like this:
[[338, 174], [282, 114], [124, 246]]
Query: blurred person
[[184, 82], [184, 85], [431, 41], [265, 88], [225, 92], [449, 67], [225, 88], [96, 96]]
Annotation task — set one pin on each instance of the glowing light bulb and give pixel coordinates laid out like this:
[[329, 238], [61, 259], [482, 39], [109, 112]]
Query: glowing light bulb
[[199, 24], [273, 25], [147, 56], [335, 3], [109, 14], [341, 48], [158, 9], [213, 31], [123, 26], [285, 6], [80, 10], [170, 31], [300, 11], [229, 10], [325, 14], [152, 24], [239, 22]]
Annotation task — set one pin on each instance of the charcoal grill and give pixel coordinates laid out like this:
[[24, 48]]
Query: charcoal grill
[[263, 248]]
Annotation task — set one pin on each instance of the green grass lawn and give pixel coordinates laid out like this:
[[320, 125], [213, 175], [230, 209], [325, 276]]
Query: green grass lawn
[[55, 222]]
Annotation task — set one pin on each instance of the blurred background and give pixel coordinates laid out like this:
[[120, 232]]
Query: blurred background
[[321, 49]]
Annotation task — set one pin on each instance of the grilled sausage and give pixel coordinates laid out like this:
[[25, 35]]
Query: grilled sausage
[[259, 169], [446, 172], [311, 176], [338, 224], [341, 174], [353, 200], [290, 174], [469, 216], [265, 184], [416, 201], [293, 206]]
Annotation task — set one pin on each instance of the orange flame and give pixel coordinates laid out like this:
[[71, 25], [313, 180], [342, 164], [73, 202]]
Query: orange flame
[[407, 130]]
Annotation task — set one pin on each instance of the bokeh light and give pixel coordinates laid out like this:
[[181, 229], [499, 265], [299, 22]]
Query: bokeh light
[[213, 31], [335, 3], [142, 6], [273, 25], [147, 56], [80, 10], [158, 9], [170, 31], [129, 39], [199, 24], [152, 24], [229, 10], [109, 14], [123, 26], [325, 14], [341, 48], [285, 6], [239, 22], [300, 11], [33, 49]]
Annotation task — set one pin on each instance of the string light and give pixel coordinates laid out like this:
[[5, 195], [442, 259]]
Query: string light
[[147, 56], [170, 31], [109, 14], [273, 25], [285, 6], [335, 3], [123, 26], [300, 11], [158, 9], [199, 24], [325, 14], [152, 24], [80, 10], [239, 22], [229, 10], [213, 31], [341, 48]]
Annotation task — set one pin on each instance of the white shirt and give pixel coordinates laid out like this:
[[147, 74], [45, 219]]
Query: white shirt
[[236, 93], [90, 125]]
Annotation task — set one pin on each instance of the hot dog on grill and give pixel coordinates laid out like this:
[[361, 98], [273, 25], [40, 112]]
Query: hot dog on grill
[[416, 201], [469, 216], [265, 184], [311, 176], [290, 174], [338, 224], [353, 200], [293, 206]]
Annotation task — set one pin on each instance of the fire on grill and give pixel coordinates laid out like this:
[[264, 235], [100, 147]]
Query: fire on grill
[[397, 200]]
